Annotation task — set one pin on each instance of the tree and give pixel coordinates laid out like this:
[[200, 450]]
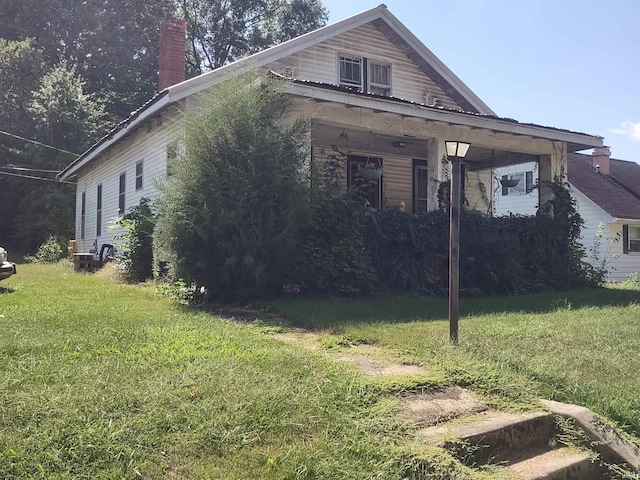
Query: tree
[[114, 44], [223, 31], [67, 118], [21, 67], [229, 216]]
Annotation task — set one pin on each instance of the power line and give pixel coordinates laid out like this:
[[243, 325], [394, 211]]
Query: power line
[[36, 178], [22, 169], [38, 143]]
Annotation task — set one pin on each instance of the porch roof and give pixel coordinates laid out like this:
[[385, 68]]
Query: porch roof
[[325, 92]]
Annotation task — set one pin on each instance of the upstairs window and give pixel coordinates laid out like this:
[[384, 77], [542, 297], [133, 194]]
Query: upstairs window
[[99, 210], [379, 78], [351, 71], [364, 74]]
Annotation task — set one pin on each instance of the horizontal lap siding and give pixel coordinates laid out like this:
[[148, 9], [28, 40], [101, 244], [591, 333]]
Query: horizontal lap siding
[[319, 63], [620, 265], [148, 147], [519, 203], [397, 175]]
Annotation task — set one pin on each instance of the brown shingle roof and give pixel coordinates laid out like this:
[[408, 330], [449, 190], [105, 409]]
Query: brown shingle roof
[[617, 193]]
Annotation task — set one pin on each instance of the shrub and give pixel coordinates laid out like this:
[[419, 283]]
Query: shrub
[[136, 262], [229, 215], [50, 251]]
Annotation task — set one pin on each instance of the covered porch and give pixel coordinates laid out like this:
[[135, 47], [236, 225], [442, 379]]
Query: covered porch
[[408, 141]]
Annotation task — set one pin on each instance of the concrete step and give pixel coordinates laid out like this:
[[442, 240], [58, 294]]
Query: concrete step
[[554, 464], [493, 437]]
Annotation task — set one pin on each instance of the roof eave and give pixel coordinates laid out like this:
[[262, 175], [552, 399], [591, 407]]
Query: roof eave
[[583, 141]]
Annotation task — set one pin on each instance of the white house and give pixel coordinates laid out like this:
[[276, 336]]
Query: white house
[[367, 76], [607, 194]]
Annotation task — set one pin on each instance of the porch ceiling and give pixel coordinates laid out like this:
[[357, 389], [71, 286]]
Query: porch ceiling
[[375, 121], [375, 142]]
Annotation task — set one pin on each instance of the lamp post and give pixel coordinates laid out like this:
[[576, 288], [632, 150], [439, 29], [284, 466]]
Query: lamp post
[[455, 152]]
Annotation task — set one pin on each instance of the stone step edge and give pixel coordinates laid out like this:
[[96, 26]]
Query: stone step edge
[[491, 434], [612, 447], [556, 463]]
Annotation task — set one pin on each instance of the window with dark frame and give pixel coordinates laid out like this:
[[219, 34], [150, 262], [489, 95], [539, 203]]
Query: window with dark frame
[[420, 185], [630, 239], [372, 190], [172, 156], [83, 214], [99, 210], [121, 193], [139, 169]]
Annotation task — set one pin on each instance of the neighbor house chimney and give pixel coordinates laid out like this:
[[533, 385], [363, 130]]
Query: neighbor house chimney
[[601, 159], [172, 53]]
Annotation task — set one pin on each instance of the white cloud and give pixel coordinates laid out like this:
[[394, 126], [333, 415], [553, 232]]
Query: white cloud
[[629, 129]]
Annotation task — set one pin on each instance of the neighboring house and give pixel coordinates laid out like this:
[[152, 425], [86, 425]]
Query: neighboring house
[[607, 194], [367, 76]]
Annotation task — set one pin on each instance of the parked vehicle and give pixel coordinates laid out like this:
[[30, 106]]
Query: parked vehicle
[[6, 267]]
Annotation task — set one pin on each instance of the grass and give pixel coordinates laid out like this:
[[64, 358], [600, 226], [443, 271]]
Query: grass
[[579, 347], [99, 380]]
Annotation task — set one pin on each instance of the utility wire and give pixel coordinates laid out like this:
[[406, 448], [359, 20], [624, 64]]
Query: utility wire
[[38, 143], [36, 178], [22, 169]]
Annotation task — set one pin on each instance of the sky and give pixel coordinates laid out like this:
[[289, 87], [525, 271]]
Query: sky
[[572, 64]]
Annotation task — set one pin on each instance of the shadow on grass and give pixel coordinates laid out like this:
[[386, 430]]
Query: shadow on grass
[[327, 312], [4, 290]]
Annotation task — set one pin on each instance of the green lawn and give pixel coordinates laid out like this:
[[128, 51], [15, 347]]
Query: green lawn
[[99, 380]]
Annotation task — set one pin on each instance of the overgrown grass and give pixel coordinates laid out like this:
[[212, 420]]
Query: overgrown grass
[[99, 380], [580, 347], [109, 381]]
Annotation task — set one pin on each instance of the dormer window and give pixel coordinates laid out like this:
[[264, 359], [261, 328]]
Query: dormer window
[[365, 74]]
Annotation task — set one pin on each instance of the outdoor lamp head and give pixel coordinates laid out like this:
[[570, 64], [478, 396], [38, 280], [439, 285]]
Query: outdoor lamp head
[[457, 149]]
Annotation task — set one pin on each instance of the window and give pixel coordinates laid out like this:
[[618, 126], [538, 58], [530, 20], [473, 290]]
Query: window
[[364, 74], [420, 185], [83, 213], [528, 181], [379, 78], [630, 239], [99, 210], [351, 71], [172, 155], [139, 166], [121, 191], [372, 192]]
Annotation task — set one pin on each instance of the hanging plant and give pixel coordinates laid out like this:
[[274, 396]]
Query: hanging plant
[[509, 182], [371, 172]]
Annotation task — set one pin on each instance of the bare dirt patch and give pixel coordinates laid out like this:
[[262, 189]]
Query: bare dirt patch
[[434, 407]]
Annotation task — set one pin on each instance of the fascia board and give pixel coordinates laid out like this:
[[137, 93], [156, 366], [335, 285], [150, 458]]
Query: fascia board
[[103, 145], [445, 116]]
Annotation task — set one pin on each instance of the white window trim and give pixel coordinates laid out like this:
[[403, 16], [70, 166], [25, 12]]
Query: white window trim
[[635, 227], [364, 75]]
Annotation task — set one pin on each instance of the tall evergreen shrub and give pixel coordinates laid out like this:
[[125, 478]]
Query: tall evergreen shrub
[[230, 213]]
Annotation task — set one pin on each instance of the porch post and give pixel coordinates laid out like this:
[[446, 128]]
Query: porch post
[[454, 249], [549, 167]]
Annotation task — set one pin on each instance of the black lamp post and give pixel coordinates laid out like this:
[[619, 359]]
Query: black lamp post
[[455, 152]]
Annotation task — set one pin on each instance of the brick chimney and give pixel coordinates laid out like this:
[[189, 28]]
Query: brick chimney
[[601, 160], [172, 53]]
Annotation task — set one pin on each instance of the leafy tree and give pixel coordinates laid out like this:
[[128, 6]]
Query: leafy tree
[[67, 118], [21, 67], [223, 31], [113, 44], [230, 214]]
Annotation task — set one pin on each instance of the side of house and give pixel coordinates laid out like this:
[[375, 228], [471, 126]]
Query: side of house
[[607, 195]]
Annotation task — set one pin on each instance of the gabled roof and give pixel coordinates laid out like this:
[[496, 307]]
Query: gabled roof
[[379, 16], [617, 193]]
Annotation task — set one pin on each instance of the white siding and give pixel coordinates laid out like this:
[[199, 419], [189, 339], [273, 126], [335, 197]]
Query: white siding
[[621, 265], [320, 64], [517, 202], [147, 144]]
